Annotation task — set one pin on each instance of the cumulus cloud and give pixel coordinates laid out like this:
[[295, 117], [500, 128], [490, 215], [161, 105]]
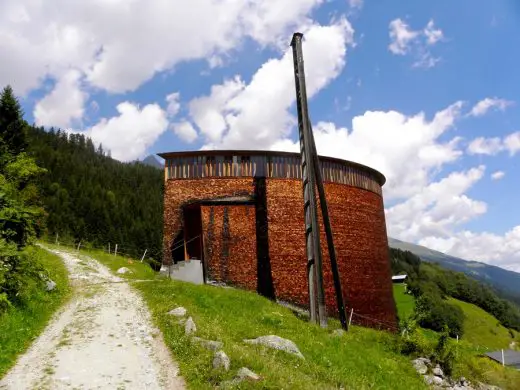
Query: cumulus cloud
[[437, 208], [497, 175], [120, 45], [404, 40], [237, 114], [483, 106], [489, 146], [185, 131], [131, 132], [64, 104], [493, 146], [406, 149], [501, 250], [173, 104]]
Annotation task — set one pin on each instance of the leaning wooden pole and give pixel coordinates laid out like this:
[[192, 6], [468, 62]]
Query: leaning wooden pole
[[330, 239], [312, 233]]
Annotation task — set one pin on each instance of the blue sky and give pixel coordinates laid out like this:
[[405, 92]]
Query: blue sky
[[426, 92]]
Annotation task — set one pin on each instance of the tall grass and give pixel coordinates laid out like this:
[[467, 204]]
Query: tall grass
[[20, 325]]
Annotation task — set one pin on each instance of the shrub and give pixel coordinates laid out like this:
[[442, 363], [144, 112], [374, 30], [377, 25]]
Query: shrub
[[436, 314]]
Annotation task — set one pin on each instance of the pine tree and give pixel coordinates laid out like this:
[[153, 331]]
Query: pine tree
[[12, 124]]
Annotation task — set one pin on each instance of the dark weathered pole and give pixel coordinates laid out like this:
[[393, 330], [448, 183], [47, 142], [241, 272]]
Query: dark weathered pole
[[312, 233], [330, 239]]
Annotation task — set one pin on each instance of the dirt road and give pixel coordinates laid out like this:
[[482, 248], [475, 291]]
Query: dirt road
[[102, 339]]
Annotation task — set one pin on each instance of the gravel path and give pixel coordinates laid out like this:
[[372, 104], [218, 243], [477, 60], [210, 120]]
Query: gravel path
[[102, 339]]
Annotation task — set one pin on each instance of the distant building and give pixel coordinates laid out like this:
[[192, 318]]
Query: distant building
[[241, 214], [397, 279], [511, 358]]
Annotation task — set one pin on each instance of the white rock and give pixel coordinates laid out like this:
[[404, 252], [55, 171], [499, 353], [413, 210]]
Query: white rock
[[246, 374], [208, 344], [189, 326], [178, 312], [277, 342], [123, 270], [437, 371], [221, 360], [420, 366], [50, 285]]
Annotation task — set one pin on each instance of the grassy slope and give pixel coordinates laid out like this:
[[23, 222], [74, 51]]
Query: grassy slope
[[21, 325], [361, 359], [405, 302], [481, 333], [481, 328]]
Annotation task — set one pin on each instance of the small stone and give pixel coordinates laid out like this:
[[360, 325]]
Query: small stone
[[433, 380], [208, 344], [437, 371], [277, 342], [123, 270], [420, 366], [221, 360], [178, 312], [246, 374], [50, 285], [338, 333], [189, 326]]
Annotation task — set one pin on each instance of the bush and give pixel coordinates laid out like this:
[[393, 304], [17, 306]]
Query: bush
[[436, 314], [444, 353]]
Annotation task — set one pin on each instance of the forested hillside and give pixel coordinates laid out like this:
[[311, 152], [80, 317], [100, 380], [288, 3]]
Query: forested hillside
[[431, 284], [91, 197]]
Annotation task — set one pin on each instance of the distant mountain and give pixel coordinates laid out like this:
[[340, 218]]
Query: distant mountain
[[153, 162], [507, 282]]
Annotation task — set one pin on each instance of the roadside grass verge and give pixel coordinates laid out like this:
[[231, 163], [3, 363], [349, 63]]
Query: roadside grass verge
[[360, 359], [20, 325]]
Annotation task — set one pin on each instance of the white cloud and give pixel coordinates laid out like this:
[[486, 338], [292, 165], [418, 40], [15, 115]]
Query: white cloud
[[185, 131], [130, 133], [63, 104], [254, 115], [406, 149], [437, 208], [492, 146], [432, 34], [512, 143], [356, 4], [404, 40], [483, 106], [173, 104], [501, 250], [481, 145], [120, 45], [401, 37], [498, 175]]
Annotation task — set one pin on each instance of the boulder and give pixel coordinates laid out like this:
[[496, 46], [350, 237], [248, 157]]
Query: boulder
[[433, 380], [420, 366], [208, 344], [50, 285], [437, 371], [278, 343], [189, 326], [221, 360], [178, 312], [123, 270], [246, 374]]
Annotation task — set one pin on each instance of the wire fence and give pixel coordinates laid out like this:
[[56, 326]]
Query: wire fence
[[115, 249]]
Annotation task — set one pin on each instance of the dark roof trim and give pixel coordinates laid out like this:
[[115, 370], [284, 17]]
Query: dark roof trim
[[378, 175]]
